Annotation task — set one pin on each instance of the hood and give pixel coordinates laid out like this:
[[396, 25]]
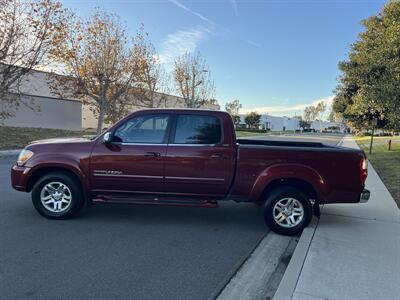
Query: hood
[[60, 141]]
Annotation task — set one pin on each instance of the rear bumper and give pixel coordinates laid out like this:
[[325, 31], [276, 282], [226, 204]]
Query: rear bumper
[[364, 196], [19, 178]]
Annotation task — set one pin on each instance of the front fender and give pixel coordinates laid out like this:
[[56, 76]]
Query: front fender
[[288, 171], [57, 161]]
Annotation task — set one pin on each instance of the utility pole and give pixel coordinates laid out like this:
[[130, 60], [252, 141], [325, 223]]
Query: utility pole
[[374, 123]]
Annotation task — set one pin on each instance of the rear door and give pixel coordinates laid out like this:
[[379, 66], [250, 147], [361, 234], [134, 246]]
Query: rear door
[[198, 163]]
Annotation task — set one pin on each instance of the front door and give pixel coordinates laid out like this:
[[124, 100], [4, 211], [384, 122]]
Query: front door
[[134, 162], [198, 163]]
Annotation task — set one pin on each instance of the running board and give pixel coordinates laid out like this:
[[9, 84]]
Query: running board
[[156, 201]]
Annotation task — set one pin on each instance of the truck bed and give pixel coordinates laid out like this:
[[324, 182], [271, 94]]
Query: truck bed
[[282, 143], [313, 162]]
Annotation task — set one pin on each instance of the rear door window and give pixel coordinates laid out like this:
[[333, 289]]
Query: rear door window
[[197, 129]]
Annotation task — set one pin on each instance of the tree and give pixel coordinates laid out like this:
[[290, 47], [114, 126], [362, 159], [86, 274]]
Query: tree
[[193, 80], [152, 81], [100, 66], [334, 116], [302, 123], [368, 87], [310, 114], [29, 32], [252, 119], [315, 112], [233, 109], [320, 109]]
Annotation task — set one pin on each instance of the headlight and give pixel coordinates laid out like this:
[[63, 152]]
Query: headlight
[[23, 157]]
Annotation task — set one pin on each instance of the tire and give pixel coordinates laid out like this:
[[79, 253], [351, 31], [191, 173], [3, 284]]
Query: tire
[[61, 195], [294, 215]]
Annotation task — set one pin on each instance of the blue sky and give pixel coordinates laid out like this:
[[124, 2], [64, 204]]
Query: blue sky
[[274, 56]]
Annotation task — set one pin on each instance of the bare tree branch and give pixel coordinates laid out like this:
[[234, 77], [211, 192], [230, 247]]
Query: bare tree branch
[[101, 63], [193, 80], [29, 31]]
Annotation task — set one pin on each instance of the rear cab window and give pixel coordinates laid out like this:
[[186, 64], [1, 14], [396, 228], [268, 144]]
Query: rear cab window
[[197, 129]]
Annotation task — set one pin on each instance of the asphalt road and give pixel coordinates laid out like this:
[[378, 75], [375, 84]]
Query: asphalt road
[[141, 252], [110, 251]]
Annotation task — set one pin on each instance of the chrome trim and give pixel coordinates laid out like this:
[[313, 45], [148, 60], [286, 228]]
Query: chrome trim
[[170, 144], [195, 178], [128, 176], [138, 144], [193, 145]]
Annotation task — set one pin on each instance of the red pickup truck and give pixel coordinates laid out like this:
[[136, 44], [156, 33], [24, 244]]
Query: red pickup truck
[[189, 158]]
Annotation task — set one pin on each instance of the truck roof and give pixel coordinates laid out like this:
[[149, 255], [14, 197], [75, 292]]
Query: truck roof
[[182, 110]]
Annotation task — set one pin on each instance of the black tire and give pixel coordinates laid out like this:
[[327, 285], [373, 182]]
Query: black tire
[[278, 194], [75, 192]]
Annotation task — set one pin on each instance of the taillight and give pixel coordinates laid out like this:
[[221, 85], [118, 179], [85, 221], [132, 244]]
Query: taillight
[[363, 169]]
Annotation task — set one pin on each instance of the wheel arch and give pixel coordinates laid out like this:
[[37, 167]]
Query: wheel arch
[[300, 184], [41, 171], [302, 177]]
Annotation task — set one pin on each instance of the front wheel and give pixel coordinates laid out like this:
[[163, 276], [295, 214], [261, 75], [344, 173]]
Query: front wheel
[[287, 210], [57, 196]]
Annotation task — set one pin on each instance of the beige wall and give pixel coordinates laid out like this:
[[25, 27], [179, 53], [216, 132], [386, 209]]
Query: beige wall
[[66, 113], [52, 113]]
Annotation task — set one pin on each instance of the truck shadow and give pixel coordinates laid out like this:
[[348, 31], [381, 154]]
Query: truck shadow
[[227, 214]]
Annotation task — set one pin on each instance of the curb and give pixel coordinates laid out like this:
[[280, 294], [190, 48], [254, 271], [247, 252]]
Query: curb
[[289, 281], [231, 273], [8, 153]]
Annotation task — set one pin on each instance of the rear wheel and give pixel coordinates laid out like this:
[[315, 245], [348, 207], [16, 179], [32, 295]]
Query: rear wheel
[[287, 210], [57, 196]]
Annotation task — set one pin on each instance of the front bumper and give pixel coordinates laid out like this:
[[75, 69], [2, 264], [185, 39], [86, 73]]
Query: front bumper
[[19, 177], [364, 196]]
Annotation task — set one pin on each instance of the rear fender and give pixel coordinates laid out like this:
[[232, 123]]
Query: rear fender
[[288, 171]]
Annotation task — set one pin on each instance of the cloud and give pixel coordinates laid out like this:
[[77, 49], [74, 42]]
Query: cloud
[[181, 42], [235, 7], [287, 110], [184, 7], [253, 43]]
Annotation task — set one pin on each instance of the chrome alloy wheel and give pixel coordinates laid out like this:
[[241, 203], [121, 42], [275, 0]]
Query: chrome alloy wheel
[[288, 212], [56, 197]]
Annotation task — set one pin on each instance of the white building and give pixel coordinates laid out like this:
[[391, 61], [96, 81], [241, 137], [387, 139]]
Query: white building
[[274, 123]]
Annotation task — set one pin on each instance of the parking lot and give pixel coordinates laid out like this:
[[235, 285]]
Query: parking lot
[[112, 251]]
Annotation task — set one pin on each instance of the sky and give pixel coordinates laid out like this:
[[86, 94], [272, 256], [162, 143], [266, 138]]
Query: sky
[[275, 56]]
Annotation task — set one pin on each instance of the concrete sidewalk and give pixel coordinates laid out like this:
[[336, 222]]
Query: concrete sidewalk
[[353, 252]]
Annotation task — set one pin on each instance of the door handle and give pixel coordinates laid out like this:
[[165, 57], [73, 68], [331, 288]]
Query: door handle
[[153, 154], [217, 156]]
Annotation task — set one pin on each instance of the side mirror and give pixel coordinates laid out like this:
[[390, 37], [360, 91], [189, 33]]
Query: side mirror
[[107, 138]]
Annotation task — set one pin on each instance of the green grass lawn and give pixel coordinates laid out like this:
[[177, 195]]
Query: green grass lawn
[[244, 133], [386, 163], [19, 137], [240, 133]]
